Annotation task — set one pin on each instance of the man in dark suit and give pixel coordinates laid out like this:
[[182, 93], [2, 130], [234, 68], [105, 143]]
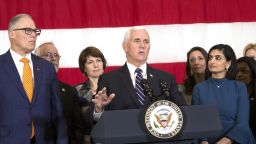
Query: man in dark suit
[[68, 96], [28, 114], [118, 87]]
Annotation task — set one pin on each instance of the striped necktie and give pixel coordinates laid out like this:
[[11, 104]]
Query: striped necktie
[[138, 88], [27, 81]]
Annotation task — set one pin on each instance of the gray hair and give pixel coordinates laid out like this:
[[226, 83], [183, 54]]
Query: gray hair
[[15, 19], [38, 49], [127, 35]]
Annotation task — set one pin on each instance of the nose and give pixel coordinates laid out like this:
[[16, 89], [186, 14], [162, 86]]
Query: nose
[[142, 44], [197, 61], [95, 64], [211, 61], [238, 74]]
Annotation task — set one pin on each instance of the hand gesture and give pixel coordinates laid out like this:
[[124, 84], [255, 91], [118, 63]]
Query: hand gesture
[[101, 100]]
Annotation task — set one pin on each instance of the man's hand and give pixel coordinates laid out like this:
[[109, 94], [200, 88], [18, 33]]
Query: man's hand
[[101, 100]]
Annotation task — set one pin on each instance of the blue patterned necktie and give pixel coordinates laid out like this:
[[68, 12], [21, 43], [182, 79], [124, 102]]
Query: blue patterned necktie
[[138, 88]]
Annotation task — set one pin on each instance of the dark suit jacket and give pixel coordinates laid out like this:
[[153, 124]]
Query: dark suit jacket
[[119, 82], [17, 113], [72, 113]]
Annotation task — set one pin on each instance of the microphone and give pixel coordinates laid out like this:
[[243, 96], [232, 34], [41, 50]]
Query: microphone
[[164, 89], [147, 89]]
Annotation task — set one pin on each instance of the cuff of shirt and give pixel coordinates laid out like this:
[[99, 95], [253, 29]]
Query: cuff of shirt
[[96, 116]]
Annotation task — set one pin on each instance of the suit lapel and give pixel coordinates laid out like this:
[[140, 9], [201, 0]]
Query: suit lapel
[[153, 80], [126, 79], [36, 70], [11, 70], [152, 77]]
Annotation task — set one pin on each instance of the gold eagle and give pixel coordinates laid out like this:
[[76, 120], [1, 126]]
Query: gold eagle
[[169, 117]]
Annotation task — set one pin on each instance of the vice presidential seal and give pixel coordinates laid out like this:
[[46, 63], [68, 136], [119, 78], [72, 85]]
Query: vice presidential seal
[[163, 119]]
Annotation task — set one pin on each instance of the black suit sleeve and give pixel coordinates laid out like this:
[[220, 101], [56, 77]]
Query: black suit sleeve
[[72, 112], [77, 122]]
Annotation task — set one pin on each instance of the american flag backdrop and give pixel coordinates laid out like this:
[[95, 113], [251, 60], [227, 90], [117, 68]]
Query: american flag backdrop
[[175, 26]]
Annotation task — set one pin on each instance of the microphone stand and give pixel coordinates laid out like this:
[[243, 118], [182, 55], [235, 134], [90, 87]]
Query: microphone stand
[[148, 91], [165, 94]]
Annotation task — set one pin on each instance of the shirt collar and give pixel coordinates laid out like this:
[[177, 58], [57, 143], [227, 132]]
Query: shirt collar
[[16, 57], [132, 68]]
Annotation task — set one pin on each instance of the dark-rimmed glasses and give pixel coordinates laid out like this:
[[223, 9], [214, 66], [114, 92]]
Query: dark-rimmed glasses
[[29, 31]]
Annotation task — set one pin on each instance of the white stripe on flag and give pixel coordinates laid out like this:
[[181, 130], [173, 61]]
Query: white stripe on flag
[[169, 43]]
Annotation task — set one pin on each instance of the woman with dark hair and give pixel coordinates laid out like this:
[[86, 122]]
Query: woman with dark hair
[[92, 64], [228, 95], [247, 74], [195, 71]]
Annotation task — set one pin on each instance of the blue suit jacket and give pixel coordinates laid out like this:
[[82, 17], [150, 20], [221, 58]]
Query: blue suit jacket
[[17, 113]]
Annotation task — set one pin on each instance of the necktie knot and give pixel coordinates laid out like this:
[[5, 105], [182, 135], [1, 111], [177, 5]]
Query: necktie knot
[[138, 71], [24, 60]]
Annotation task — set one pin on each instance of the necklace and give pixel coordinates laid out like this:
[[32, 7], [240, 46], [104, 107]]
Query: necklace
[[219, 82]]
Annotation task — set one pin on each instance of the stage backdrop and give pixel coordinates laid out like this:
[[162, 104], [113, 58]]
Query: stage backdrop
[[175, 26]]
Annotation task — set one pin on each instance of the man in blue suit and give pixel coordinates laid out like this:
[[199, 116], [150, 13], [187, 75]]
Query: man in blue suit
[[24, 120]]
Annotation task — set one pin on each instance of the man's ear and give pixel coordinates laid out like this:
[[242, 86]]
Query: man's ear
[[11, 34], [124, 46]]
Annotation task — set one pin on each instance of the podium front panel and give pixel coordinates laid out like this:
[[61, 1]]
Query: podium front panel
[[127, 126]]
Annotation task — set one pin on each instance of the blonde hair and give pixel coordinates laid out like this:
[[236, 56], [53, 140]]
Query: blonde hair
[[249, 46]]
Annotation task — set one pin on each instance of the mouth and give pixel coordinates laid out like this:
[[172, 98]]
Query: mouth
[[198, 67], [96, 70], [32, 42], [212, 67], [240, 79], [141, 53]]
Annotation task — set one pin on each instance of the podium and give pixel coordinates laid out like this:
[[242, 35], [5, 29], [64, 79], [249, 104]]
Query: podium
[[127, 126]]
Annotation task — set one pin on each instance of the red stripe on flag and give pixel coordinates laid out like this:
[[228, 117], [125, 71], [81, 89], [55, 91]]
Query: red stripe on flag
[[55, 14], [75, 76]]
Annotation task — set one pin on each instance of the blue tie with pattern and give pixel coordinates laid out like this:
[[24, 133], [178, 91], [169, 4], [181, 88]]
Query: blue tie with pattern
[[138, 88]]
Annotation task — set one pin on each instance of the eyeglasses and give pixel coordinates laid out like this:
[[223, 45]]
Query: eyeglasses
[[29, 31], [51, 55]]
